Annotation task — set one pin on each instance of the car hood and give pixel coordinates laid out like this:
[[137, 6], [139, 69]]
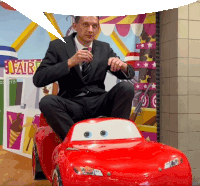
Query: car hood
[[123, 157]]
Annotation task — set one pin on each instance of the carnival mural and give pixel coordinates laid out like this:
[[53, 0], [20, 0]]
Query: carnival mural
[[132, 37]]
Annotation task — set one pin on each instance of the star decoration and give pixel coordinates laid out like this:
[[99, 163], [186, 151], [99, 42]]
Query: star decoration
[[149, 45], [145, 86], [146, 64], [154, 64], [138, 64], [137, 86], [153, 86], [142, 45]]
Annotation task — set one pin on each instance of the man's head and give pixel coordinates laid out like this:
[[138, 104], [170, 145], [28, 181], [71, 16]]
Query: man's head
[[87, 28]]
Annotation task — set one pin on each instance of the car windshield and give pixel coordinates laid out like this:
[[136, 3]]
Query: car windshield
[[105, 130]]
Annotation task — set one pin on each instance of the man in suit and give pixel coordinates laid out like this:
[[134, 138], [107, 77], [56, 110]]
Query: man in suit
[[81, 74]]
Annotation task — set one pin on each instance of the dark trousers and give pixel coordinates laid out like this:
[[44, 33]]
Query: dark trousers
[[62, 113]]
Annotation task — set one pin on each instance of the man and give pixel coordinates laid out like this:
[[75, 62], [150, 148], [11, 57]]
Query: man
[[81, 74]]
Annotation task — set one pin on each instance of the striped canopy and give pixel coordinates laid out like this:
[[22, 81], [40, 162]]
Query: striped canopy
[[124, 23]]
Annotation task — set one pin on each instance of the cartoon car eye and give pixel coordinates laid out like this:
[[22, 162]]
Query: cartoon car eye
[[87, 134], [103, 133]]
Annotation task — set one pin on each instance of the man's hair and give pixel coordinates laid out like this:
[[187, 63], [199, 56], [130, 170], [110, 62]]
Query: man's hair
[[77, 18]]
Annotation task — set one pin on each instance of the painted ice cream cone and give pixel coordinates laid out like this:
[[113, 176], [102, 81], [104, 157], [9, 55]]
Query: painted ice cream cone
[[13, 137], [15, 129]]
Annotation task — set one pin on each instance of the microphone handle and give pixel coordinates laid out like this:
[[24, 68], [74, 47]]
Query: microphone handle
[[84, 49]]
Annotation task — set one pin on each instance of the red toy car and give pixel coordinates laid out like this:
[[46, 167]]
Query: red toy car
[[106, 152]]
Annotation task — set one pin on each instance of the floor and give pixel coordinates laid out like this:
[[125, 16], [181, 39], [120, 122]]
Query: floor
[[16, 170]]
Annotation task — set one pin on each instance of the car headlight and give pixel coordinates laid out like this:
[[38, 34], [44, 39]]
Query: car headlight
[[87, 171], [146, 183], [173, 163]]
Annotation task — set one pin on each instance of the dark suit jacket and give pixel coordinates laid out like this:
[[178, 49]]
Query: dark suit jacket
[[54, 67]]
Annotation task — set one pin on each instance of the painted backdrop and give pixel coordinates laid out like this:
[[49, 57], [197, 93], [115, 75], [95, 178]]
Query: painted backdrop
[[23, 45]]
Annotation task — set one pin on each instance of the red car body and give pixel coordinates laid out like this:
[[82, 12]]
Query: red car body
[[109, 162]]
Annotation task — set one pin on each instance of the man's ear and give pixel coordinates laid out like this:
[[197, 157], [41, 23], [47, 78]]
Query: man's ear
[[74, 26]]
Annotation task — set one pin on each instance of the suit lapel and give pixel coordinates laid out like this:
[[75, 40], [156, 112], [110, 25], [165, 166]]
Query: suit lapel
[[71, 50], [70, 45]]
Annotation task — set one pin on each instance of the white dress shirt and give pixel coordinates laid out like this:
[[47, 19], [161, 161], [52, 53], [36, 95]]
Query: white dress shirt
[[79, 46]]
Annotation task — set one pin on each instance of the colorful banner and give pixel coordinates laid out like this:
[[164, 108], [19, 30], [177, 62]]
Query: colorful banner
[[22, 67]]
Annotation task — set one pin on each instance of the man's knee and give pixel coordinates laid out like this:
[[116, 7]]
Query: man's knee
[[127, 87], [46, 102]]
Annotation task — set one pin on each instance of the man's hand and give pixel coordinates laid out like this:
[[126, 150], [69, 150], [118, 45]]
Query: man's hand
[[116, 64], [79, 57]]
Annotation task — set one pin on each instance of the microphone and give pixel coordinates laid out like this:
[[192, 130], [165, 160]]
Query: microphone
[[84, 49], [89, 49]]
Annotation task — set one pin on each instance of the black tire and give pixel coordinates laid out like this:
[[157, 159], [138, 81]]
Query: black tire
[[37, 171], [56, 175]]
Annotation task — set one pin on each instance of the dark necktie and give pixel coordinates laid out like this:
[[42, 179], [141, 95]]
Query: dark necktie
[[86, 67]]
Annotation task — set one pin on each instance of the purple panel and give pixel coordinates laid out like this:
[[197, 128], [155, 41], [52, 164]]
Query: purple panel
[[151, 135]]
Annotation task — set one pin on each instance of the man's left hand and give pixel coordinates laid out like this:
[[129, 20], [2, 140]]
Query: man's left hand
[[116, 64]]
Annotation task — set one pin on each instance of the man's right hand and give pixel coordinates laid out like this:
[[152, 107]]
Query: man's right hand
[[79, 57]]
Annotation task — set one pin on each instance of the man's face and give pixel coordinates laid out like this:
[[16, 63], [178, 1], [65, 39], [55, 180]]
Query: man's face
[[87, 28]]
